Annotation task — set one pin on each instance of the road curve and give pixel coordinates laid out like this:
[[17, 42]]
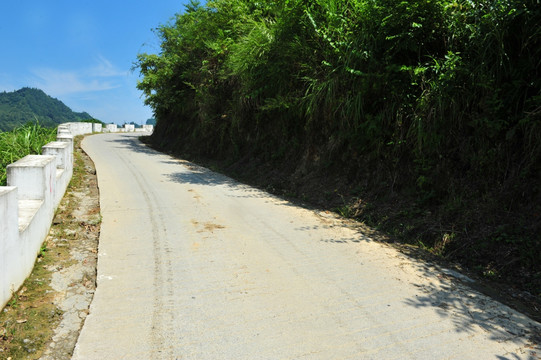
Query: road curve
[[193, 265]]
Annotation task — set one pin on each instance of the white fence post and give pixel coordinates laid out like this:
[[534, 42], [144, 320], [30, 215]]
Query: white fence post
[[9, 244], [64, 167]]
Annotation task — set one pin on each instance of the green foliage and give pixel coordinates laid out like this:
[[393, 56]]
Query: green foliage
[[435, 83], [32, 105], [20, 142]]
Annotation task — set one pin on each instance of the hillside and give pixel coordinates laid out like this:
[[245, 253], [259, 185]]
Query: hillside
[[30, 105]]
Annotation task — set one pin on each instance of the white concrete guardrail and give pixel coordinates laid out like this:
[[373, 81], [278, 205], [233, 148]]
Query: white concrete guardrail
[[36, 185]]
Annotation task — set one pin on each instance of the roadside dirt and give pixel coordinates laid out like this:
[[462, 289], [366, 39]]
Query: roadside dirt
[[44, 317]]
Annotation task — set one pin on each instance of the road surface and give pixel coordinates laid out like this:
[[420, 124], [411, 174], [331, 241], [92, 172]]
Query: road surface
[[193, 265]]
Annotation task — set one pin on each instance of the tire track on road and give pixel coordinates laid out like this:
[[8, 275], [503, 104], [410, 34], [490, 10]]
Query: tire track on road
[[163, 314]]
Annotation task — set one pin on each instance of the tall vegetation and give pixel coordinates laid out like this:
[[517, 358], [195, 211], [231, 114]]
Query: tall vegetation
[[20, 142], [438, 100]]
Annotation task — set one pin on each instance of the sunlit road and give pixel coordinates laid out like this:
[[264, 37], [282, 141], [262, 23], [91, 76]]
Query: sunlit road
[[193, 265]]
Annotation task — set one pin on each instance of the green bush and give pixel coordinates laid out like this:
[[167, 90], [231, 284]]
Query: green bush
[[20, 142], [431, 78]]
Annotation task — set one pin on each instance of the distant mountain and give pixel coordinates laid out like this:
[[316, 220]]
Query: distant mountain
[[31, 105]]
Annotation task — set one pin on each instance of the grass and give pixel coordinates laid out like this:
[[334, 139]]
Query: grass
[[20, 142]]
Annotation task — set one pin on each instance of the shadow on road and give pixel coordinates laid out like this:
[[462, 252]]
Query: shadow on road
[[451, 296], [360, 237], [198, 175], [134, 144], [201, 177]]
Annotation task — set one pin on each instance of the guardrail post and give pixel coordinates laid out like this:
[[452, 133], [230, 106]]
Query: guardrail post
[[9, 240]]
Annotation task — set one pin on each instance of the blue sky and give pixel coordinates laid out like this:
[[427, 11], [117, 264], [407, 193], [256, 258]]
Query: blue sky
[[81, 51]]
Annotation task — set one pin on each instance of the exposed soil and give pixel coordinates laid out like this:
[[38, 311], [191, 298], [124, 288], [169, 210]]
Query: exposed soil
[[43, 319]]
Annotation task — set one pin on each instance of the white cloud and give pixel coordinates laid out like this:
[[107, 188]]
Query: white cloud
[[102, 76], [104, 68]]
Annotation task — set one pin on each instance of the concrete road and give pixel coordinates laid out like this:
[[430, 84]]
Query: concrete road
[[193, 265]]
